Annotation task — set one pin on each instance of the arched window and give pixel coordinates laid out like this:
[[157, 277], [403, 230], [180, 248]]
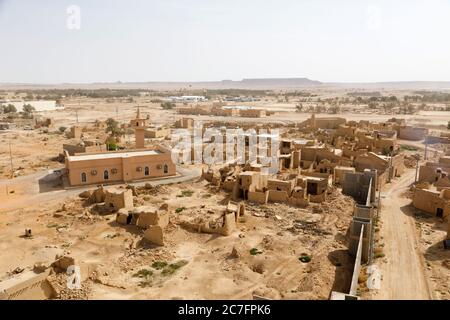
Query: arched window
[[83, 177], [166, 168], [146, 171], [105, 175]]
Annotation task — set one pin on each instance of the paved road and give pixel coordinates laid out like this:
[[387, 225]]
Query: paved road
[[35, 183], [404, 273]]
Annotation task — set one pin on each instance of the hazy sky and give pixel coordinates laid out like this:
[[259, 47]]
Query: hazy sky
[[195, 40]]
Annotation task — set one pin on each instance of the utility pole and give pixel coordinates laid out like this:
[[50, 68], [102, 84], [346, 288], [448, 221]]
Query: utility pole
[[76, 111], [11, 160], [417, 169], [117, 113], [379, 197], [426, 148]]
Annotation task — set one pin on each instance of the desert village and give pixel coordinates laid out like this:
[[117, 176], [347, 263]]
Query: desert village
[[357, 208]]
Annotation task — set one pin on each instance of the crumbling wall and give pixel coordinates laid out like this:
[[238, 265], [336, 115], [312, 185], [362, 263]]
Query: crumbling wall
[[319, 198], [155, 235], [27, 286], [226, 227], [448, 230], [430, 173], [431, 202], [258, 197], [280, 185], [119, 199], [228, 185], [277, 196], [298, 202], [150, 216]]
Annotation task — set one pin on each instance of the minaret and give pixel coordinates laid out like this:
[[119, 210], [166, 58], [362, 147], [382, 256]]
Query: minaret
[[313, 120], [139, 127]]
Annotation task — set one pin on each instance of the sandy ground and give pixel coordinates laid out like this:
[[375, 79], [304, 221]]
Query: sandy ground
[[281, 233], [31, 151], [414, 265], [403, 266]]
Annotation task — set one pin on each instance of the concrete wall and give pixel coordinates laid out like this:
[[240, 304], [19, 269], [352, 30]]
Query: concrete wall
[[357, 266], [434, 139], [362, 211], [412, 133], [355, 233], [357, 185], [339, 173]]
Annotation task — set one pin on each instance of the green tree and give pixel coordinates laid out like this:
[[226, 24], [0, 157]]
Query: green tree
[[167, 105], [335, 109], [112, 146], [10, 108], [28, 108], [113, 128]]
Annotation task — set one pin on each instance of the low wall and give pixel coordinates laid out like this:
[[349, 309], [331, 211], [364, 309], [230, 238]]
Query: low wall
[[357, 267], [277, 196], [27, 286], [299, 202], [258, 197]]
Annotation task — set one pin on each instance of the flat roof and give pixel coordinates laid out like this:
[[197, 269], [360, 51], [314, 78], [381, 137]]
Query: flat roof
[[112, 155], [313, 178]]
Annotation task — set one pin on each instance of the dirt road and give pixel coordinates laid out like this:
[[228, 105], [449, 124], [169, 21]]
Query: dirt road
[[30, 189], [403, 273]]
